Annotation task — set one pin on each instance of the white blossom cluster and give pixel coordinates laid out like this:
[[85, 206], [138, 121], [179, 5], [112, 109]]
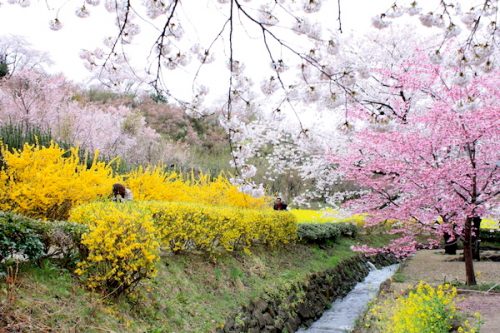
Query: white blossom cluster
[[473, 31]]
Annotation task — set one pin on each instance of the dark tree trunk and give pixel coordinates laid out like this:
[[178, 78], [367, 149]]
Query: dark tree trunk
[[469, 265], [450, 246], [476, 242]]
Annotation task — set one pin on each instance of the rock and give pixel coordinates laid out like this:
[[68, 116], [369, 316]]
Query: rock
[[268, 319], [251, 306], [229, 325], [279, 325], [304, 311], [270, 329], [261, 306], [253, 323], [260, 319]]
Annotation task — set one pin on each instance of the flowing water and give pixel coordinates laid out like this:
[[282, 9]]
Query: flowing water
[[341, 317]]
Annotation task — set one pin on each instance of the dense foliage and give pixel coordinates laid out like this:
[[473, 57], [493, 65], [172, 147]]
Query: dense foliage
[[31, 239]]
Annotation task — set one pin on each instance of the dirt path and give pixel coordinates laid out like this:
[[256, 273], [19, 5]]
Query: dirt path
[[488, 305], [434, 267]]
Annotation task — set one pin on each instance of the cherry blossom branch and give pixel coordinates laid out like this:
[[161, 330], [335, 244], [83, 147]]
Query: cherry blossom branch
[[338, 17], [121, 30], [160, 43]]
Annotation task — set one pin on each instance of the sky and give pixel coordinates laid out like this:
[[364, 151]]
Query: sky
[[63, 46]]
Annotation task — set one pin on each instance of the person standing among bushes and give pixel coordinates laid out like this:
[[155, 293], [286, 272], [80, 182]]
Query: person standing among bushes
[[121, 193], [279, 204]]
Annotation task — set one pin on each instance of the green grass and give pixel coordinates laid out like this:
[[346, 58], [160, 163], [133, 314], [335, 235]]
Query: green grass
[[189, 294]]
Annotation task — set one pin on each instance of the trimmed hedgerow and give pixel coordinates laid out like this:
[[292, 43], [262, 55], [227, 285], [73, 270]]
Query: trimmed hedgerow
[[324, 232]]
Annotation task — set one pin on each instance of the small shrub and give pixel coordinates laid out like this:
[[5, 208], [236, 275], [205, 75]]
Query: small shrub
[[424, 309], [122, 246], [324, 232], [63, 241], [20, 237], [29, 239], [492, 235]]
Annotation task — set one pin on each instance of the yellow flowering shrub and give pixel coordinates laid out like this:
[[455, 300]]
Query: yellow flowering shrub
[[153, 183], [124, 239], [490, 224], [326, 216], [196, 227], [45, 182], [185, 227], [220, 191], [122, 245], [425, 309]]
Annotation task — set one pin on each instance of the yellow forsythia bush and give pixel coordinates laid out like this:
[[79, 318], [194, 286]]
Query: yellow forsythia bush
[[153, 183], [122, 245], [326, 216], [45, 182], [197, 227], [125, 238], [212, 229]]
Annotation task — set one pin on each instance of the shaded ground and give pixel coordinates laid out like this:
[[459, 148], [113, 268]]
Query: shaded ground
[[434, 267]]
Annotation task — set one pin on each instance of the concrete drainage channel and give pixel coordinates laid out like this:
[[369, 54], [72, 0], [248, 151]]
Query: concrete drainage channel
[[341, 317], [302, 304]]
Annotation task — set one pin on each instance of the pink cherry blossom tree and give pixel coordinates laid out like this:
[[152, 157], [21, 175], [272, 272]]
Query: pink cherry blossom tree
[[33, 97], [438, 162]]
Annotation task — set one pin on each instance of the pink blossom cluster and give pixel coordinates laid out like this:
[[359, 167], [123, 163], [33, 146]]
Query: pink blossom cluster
[[401, 248], [49, 101], [436, 165]]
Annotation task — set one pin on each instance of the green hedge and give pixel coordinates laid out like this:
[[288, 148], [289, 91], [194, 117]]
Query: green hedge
[[492, 236], [23, 238], [325, 232]]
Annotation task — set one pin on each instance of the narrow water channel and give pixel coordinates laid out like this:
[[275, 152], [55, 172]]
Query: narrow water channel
[[341, 317]]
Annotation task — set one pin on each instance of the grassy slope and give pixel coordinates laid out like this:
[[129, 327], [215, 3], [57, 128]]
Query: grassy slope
[[188, 295]]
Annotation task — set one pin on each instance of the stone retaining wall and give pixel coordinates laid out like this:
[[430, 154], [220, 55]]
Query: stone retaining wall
[[302, 303]]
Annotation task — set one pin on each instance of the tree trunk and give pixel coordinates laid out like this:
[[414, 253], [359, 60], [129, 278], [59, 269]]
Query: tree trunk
[[450, 246], [476, 242], [469, 265]]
